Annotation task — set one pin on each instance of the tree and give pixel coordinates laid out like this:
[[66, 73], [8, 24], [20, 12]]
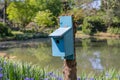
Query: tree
[[19, 12], [23, 12], [54, 6], [111, 9], [4, 30], [43, 19]]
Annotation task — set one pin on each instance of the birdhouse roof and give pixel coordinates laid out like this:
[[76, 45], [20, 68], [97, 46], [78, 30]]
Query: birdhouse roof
[[60, 32]]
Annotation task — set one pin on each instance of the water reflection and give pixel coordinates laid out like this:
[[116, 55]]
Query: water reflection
[[96, 61], [91, 54], [33, 43]]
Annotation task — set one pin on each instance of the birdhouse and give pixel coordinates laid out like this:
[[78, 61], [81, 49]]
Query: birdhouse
[[62, 39]]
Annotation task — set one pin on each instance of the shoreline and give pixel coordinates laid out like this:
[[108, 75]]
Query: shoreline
[[100, 35], [78, 35]]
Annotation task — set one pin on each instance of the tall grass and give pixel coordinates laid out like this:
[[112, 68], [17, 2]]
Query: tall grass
[[11, 70]]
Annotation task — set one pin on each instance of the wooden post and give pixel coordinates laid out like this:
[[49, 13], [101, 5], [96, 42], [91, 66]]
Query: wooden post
[[70, 70]]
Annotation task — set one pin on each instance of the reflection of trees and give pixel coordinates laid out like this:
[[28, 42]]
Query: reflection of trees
[[86, 44], [40, 55], [44, 56], [113, 42], [109, 55]]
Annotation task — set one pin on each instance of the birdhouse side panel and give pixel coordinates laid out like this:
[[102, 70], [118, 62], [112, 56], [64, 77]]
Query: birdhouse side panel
[[69, 43]]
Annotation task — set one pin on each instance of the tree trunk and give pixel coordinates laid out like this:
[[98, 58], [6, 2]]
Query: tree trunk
[[70, 70], [4, 13]]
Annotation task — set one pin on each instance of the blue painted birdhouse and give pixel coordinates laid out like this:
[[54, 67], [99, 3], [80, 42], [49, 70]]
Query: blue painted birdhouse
[[62, 39]]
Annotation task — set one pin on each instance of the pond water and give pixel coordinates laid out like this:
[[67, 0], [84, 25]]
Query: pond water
[[93, 55]]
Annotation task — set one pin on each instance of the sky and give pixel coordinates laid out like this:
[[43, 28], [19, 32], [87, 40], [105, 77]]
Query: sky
[[96, 4]]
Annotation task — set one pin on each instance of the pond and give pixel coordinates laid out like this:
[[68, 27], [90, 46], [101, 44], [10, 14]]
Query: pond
[[93, 55]]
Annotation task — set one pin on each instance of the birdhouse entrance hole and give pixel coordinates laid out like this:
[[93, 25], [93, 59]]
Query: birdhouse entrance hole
[[57, 41]]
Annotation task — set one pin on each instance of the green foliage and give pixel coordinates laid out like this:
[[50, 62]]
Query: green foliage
[[20, 12], [98, 23], [23, 12], [78, 14], [113, 5], [111, 9], [108, 17], [54, 6], [13, 13], [19, 71], [44, 18], [45, 12], [4, 30], [87, 27], [114, 30], [23, 71], [94, 23]]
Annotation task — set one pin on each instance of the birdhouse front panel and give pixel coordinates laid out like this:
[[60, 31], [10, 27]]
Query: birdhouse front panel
[[58, 47]]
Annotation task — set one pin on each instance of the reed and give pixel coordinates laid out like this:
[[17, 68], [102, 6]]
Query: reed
[[12, 70]]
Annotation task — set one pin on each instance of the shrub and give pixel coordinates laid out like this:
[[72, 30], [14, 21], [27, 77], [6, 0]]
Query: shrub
[[114, 30], [87, 27], [44, 19], [4, 30], [95, 22], [98, 24]]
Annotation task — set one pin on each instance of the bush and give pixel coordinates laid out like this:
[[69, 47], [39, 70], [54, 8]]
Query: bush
[[114, 30], [93, 24], [98, 24], [4, 30], [87, 27], [44, 19]]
